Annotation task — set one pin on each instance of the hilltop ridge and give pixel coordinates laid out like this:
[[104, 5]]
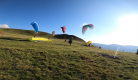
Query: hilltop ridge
[[40, 34]]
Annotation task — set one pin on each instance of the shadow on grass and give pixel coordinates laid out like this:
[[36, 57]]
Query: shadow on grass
[[84, 45], [14, 39], [106, 55], [24, 40], [88, 45]]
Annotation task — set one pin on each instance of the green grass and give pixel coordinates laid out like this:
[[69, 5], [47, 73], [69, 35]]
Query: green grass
[[21, 59]]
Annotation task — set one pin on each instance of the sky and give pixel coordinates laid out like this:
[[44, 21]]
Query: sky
[[115, 21]]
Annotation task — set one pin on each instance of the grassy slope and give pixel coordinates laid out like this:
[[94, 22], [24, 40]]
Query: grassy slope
[[22, 59]]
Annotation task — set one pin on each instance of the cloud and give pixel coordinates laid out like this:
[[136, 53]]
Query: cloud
[[4, 26]]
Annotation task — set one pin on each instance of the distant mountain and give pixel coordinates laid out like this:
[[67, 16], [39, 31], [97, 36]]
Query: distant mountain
[[127, 48]]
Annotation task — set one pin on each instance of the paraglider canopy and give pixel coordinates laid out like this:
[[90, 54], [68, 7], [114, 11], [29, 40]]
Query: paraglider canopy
[[85, 27], [53, 33], [63, 29], [89, 42], [35, 26], [39, 39]]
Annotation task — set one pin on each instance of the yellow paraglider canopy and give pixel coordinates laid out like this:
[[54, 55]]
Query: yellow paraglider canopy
[[39, 39], [89, 42]]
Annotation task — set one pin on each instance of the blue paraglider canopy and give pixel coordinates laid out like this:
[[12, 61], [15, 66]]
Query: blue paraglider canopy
[[35, 26]]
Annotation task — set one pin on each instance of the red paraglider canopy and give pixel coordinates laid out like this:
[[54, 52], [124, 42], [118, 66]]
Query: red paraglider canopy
[[63, 29]]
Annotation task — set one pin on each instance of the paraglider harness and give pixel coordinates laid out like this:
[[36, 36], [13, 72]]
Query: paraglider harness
[[89, 44], [35, 34]]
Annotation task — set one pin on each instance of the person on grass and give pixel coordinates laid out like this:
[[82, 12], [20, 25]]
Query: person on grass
[[70, 41]]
